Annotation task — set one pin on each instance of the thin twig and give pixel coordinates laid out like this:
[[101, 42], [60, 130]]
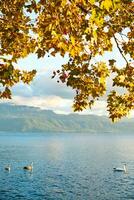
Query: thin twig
[[120, 50]]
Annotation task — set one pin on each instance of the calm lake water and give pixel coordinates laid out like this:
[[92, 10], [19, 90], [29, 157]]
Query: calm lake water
[[66, 166]]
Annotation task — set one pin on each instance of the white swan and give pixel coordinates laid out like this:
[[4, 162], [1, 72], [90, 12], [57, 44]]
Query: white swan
[[8, 168], [118, 169], [29, 167]]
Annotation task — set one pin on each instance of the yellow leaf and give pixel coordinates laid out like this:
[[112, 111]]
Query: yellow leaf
[[107, 4], [50, 27], [62, 46], [72, 52], [63, 3], [54, 33], [95, 35], [92, 1], [102, 80], [122, 78], [72, 40]]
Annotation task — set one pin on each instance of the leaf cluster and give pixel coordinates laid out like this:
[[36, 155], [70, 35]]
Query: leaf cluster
[[83, 30]]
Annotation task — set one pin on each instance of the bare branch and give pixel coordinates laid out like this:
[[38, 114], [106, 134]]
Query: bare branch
[[120, 50]]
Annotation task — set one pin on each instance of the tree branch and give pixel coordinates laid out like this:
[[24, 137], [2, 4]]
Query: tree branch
[[120, 50]]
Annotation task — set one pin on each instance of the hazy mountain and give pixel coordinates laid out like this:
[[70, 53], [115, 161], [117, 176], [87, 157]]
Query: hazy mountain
[[30, 119]]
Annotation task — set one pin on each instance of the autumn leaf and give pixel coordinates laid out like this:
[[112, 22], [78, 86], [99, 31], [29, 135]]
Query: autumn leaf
[[81, 29]]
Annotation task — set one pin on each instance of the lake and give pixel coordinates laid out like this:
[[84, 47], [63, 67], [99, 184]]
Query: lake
[[66, 166]]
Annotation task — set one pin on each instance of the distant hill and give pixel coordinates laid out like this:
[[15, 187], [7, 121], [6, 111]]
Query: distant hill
[[30, 119]]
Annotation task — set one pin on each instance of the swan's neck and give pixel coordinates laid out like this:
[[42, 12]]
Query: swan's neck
[[125, 169]]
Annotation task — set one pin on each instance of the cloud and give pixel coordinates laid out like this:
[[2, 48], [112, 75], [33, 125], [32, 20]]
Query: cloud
[[46, 93], [99, 108], [43, 84], [57, 104]]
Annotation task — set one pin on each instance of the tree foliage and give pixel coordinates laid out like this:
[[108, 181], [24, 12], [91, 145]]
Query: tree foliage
[[82, 29]]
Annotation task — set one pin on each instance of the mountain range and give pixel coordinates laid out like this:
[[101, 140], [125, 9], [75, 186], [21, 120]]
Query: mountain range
[[15, 118]]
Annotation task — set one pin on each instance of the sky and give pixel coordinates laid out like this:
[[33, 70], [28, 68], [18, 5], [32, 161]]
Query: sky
[[46, 93]]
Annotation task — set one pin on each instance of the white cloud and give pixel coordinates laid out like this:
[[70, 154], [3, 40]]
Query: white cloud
[[131, 114], [57, 104], [46, 93], [54, 103], [99, 108]]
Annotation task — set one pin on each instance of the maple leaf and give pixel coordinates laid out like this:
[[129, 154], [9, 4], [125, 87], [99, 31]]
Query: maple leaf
[[81, 29]]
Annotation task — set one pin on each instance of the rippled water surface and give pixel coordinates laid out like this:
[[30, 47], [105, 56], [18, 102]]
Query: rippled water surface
[[66, 166]]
